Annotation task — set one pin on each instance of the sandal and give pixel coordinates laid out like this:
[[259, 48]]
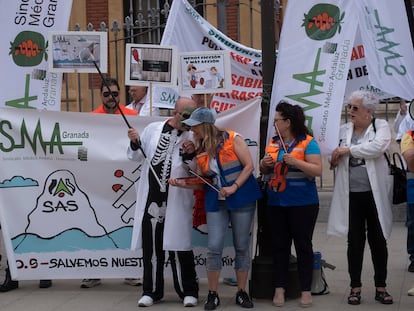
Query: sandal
[[383, 297], [354, 298]]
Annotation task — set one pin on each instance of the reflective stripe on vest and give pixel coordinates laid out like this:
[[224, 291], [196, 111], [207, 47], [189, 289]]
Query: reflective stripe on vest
[[227, 158]]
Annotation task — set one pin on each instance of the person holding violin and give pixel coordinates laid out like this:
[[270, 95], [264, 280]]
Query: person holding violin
[[292, 162], [230, 197]]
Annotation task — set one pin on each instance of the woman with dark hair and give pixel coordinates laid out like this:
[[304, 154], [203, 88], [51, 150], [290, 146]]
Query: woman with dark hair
[[291, 163]]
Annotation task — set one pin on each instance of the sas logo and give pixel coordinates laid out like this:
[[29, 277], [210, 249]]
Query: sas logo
[[322, 21], [28, 49]]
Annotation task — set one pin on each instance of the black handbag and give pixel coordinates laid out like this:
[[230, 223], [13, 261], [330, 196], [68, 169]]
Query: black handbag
[[398, 173], [397, 170]]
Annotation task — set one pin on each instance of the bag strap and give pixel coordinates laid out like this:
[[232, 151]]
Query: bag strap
[[396, 156], [388, 159]]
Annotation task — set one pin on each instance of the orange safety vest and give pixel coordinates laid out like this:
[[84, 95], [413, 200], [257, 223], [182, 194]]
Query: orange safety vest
[[226, 157], [298, 152]]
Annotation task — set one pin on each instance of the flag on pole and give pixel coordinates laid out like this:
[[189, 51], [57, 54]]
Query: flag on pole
[[313, 62], [26, 81]]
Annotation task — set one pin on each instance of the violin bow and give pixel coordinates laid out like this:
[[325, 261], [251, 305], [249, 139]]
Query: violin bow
[[204, 180], [281, 139]]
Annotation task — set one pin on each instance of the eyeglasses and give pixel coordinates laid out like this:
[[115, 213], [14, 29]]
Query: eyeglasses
[[107, 94], [275, 120], [184, 115], [353, 107]]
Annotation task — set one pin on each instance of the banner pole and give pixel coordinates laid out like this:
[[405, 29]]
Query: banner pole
[[409, 9]]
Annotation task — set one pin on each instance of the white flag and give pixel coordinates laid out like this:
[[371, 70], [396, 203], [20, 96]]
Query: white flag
[[26, 81], [388, 46], [313, 62]]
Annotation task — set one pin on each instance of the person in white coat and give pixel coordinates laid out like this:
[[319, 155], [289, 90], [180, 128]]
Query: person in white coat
[[163, 216], [361, 202]]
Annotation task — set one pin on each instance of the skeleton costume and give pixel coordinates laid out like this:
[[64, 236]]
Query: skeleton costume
[[163, 216]]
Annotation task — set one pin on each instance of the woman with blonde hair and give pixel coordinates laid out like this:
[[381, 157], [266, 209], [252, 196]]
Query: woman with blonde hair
[[224, 158]]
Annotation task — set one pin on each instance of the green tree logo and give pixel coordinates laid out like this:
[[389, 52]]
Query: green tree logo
[[322, 21], [28, 49]]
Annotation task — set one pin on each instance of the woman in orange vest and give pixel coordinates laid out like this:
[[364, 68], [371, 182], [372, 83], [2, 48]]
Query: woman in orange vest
[[292, 162], [230, 197]]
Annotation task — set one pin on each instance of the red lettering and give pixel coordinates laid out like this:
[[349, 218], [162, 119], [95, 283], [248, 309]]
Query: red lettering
[[358, 52], [239, 58]]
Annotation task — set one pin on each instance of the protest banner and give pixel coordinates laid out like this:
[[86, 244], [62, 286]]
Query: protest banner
[[67, 195]]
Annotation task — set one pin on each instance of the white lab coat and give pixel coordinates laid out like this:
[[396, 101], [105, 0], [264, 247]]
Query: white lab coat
[[178, 219], [372, 150]]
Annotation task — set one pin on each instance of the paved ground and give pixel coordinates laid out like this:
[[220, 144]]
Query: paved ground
[[66, 295]]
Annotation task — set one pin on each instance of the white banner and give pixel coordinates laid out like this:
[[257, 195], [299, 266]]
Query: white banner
[[313, 62], [190, 32], [67, 195], [26, 81], [388, 46], [358, 76]]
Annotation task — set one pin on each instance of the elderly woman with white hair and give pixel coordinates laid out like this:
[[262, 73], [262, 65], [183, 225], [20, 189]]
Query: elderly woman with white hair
[[361, 202]]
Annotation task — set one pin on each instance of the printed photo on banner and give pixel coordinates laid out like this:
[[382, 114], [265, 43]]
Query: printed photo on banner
[[146, 63], [204, 72], [78, 51]]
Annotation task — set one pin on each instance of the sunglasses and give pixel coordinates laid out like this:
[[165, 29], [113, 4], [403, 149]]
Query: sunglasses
[[353, 108], [184, 115], [107, 94]]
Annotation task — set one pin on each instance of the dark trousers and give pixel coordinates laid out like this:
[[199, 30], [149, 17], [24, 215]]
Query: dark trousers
[[363, 224], [410, 231], [182, 263], [293, 223]]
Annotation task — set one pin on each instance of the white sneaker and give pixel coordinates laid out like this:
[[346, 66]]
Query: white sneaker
[[88, 283], [190, 301], [145, 301], [133, 282], [411, 292]]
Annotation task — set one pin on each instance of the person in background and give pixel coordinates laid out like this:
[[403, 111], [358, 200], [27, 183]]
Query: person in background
[[407, 151], [163, 216], [292, 211], [109, 106], [224, 155], [202, 100], [139, 102], [403, 120], [401, 114], [361, 202]]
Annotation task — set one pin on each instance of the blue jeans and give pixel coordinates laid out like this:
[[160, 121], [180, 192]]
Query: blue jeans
[[241, 222]]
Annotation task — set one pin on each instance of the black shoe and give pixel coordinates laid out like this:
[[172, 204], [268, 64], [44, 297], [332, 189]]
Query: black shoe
[[213, 301], [45, 283], [8, 283], [411, 267], [243, 300]]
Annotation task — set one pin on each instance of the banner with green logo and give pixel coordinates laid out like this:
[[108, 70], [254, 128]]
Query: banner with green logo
[[312, 67], [25, 80]]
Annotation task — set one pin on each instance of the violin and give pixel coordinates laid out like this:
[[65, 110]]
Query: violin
[[278, 181]]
